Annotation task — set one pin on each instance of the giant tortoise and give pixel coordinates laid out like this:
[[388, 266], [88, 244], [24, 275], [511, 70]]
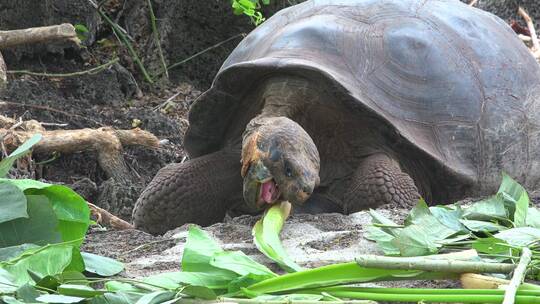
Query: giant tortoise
[[342, 105]]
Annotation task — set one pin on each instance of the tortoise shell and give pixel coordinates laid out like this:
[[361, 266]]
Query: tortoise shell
[[455, 83]]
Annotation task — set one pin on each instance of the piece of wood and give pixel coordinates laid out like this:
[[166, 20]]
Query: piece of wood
[[106, 142], [108, 219], [13, 38], [532, 30]]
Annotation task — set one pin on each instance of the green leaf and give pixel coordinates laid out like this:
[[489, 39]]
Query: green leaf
[[240, 263], [486, 210], [114, 286], [53, 298], [533, 217], [491, 245], [198, 253], [10, 300], [383, 239], [481, 226], [48, 282], [27, 293], [40, 228], [21, 151], [449, 217], [101, 265], [378, 218], [7, 282], [79, 291], [72, 277], [70, 208], [418, 212], [516, 198], [47, 260], [413, 240], [117, 298], [266, 236], [200, 292], [156, 297], [173, 280], [12, 202], [519, 237], [82, 31], [8, 253], [244, 281], [421, 215]]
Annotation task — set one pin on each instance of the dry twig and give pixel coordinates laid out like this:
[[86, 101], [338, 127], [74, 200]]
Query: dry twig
[[530, 26], [94, 70], [473, 2], [13, 38], [108, 219]]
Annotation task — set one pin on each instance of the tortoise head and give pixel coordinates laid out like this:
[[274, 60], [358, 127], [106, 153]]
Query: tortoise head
[[279, 161]]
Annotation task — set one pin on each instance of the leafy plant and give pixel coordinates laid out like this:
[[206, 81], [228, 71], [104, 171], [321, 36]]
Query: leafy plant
[[250, 8], [497, 227]]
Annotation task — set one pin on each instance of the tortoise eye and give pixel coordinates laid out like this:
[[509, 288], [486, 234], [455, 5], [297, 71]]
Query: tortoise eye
[[288, 170]]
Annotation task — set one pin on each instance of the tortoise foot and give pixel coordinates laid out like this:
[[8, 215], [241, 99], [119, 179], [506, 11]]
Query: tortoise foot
[[198, 191], [379, 181]]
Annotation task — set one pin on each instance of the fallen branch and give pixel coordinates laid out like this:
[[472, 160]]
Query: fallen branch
[[94, 70], [530, 26], [433, 265], [106, 142], [518, 277], [105, 218], [13, 38], [473, 2]]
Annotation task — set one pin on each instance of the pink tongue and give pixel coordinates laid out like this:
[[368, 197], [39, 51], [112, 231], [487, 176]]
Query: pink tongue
[[267, 191]]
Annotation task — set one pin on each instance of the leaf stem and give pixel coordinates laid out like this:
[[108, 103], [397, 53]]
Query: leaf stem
[[519, 275]]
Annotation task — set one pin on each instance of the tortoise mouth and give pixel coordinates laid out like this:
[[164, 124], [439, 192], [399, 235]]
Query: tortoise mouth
[[268, 192]]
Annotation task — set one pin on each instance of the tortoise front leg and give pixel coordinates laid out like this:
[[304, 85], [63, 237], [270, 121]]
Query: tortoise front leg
[[379, 181], [199, 191]]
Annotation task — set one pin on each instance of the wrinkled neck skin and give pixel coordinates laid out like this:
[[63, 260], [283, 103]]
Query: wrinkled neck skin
[[277, 149]]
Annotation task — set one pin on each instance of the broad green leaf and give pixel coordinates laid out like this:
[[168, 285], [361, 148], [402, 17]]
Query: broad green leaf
[[156, 297], [114, 286], [173, 280], [449, 217], [27, 293], [47, 282], [485, 210], [21, 151], [10, 300], [47, 260], [491, 245], [117, 298], [72, 277], [12, 202], [40, 228], [244, 281], [421, 215], [101, 265], [266, 236], [8, 253], [481, 226], [533, 217], [383, 239], [414, 240], [378, 218], [71, 209], [240, 263], [54, 298], [520, 237], [418, 212], [198, 253], [79, 291], [200, 292], [516, 199], [7, 282]]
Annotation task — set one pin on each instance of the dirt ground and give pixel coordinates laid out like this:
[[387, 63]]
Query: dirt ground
[[120, 98]]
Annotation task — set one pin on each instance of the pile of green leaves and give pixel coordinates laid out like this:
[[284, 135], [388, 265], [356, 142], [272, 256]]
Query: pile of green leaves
[[41, 229], [497, 227], [250, 8]]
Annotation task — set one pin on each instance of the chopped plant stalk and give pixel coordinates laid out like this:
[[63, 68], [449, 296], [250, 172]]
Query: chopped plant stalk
[[426, 264], [518, 277], [478, 281], [266, 236], [456, 291], [339, 274]]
